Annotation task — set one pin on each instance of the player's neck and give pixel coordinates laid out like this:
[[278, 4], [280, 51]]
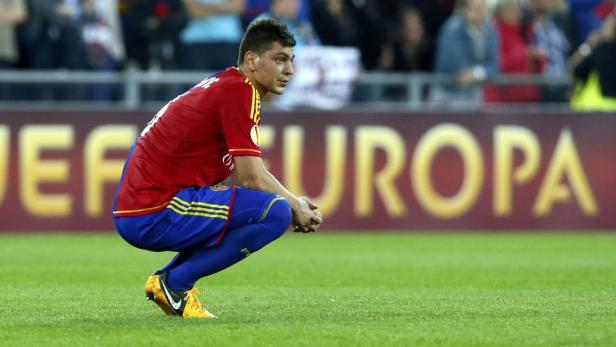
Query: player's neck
[[252, 79]]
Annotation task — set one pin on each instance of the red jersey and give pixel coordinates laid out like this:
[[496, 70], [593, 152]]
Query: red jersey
[[191, 141]]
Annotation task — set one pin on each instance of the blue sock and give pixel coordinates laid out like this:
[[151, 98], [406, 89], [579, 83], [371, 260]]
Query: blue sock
[[187, 267]]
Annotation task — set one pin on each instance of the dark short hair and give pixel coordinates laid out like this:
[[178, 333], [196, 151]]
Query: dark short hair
[[260, 36]]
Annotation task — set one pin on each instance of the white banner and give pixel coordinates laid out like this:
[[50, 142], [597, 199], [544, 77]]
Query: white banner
[[324, 78]]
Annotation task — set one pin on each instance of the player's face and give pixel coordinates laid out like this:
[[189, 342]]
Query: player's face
[[274, 68]]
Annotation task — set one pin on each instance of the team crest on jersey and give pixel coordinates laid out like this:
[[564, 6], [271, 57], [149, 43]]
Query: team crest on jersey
[[254, 135], [219, 188]]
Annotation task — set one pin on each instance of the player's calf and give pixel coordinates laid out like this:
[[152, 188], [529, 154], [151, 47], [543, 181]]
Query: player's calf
[[260, 226], [276, 219]]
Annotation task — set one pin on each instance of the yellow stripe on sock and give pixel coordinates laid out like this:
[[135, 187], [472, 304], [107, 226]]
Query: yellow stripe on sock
[[270, 207]]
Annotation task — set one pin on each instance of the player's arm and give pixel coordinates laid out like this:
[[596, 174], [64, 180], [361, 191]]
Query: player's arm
[[239, 116], [250, 173]]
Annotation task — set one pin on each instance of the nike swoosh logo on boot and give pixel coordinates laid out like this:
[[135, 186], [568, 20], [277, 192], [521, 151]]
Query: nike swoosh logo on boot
[[175, 305]]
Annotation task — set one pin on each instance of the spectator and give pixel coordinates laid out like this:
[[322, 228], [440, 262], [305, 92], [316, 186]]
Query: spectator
[[467, 50], [593, 68], [14, 12], [434, 14], [375, 28], [54, 35], [517, 56], [103, 39], [288, 12], [53, 40], [152, 32], [102, 34], [372, 26], [544, 33], [335, 24], [588, 16], [211, 39], [254, 8], [410, 51]]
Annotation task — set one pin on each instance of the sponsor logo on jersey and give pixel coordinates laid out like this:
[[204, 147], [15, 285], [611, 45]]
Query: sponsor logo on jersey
[[254, 135], [228, 161]]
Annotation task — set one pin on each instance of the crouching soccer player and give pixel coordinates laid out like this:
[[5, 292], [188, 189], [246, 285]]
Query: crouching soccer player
[[194, 181]]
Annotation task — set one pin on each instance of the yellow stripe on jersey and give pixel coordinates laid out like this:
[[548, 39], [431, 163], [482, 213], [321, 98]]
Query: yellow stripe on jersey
[[188, 205], [199, 214], [258, 110], [253, 103]]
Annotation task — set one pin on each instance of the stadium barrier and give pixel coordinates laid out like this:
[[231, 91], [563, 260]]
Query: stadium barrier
[[140, 88], [384, 171]]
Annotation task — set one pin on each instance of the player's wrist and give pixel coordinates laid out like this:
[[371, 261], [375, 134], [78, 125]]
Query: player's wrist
[[295, 203]]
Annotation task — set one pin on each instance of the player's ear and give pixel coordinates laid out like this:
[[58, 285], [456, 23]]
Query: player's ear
[[251, 59]]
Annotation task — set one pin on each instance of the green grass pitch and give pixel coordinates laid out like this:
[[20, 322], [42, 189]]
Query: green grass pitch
[[321, 290]]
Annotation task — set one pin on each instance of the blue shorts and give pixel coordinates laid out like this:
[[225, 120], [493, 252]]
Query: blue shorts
[[196, 217]]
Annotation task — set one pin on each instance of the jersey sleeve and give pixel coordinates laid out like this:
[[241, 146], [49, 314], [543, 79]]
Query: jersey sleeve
[[240, 116]]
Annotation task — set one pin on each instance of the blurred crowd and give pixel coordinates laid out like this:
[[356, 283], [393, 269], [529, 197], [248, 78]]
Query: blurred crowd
[[470, 40]]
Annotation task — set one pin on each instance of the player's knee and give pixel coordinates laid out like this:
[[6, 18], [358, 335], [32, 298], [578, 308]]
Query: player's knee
[[279, 216]]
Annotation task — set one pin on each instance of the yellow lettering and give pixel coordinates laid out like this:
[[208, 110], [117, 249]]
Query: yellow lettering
[[507, 139], [330, 197], [367, 140], [266, 139], [33, 139], [565, 161], [99, 170], [4, 159], [429, 145]]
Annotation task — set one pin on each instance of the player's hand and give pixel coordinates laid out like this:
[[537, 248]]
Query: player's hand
[[311, 227], [311, 204], [306, 217]]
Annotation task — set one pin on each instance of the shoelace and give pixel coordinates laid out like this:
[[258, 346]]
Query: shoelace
[[196, 304]]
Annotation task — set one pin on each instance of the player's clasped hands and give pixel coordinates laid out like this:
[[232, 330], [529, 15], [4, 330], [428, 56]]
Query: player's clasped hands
[[306, 217]]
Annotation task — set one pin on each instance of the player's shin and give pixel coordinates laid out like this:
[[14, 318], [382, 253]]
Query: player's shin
[[237, 245]]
